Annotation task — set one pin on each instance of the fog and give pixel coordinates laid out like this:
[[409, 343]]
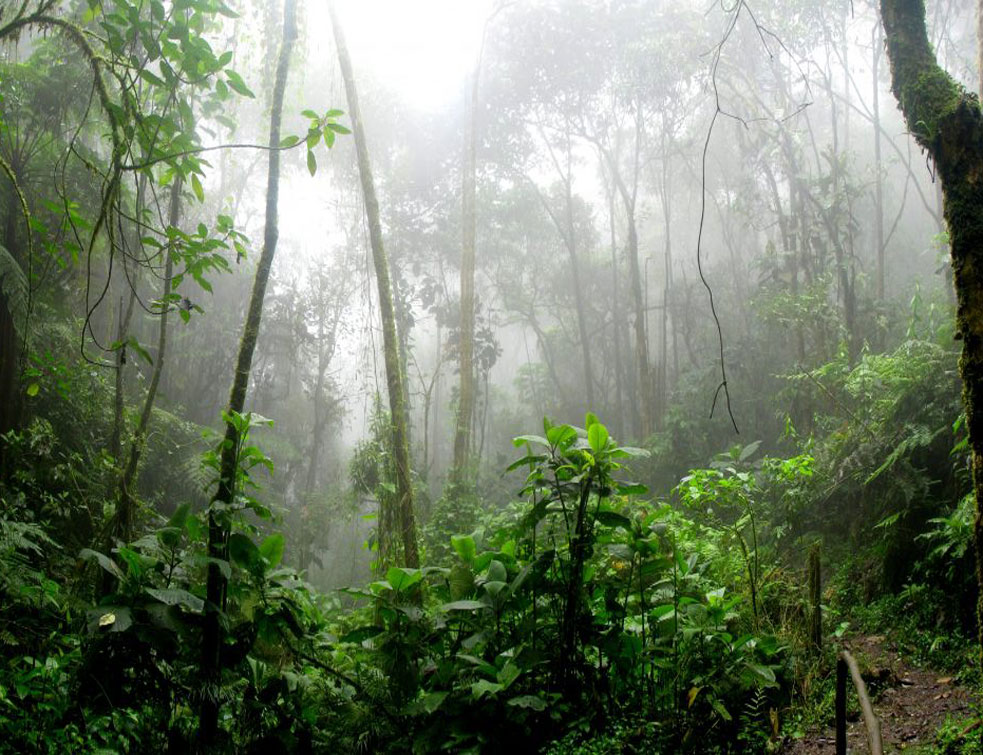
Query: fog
[[761, 144]]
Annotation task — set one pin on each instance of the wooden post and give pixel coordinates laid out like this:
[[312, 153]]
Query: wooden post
[[815, 599], [840, 706], [845, 661]]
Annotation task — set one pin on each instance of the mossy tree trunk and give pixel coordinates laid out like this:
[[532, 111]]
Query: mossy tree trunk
[[397, 522], [218, 525], [947, 122]]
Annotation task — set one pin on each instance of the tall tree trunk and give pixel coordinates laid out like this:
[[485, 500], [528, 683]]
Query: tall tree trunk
[[667, 274], [581, 299], [878, 163], [122, 528], [465, 406], [565, 227], [122, 332], [616, 319], [644, 377], [218, 524], [641, 335], [397, 523], [947, 122]]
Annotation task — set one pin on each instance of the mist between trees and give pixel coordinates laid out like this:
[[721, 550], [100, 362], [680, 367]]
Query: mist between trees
[[564, 337]]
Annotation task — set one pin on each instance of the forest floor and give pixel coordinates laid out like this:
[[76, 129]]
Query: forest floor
[[911, 703]]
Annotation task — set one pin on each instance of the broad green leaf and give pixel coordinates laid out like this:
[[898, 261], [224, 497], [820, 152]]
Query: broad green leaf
[[426, 704], [243, 551], [528, 701], [465, 547], [497, 572], [614, 519], [360, 634], [402, 578], [237, 84], [103, 560], [311, 162], [749, 450], [197, 188], [134, 344], [463, 605], [631, 488], [764, 672], [272, 549], [109, 619], [519, 440], [597, 436], [175, 597], [484, 687]]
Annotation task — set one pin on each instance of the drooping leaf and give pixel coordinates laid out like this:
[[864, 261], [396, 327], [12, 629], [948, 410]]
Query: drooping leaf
[[360, 634], [196, 187], [532, 702], [463, 605], [177, 597], [103, 560]]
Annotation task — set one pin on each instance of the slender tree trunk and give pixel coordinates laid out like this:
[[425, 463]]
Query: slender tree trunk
[[396, 526], [878, 164], [581, 300], [565, 227], [122, 331], [123, 522], [218, 524], [667, 273], [641, 336], [465, 407], [644, 388], [946, 121], [616, 318]]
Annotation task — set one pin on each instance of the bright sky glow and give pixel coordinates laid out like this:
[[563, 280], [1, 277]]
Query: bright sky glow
[[422, 49]]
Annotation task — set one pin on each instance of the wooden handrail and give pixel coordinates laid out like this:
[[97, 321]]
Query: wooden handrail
[[844, 662]]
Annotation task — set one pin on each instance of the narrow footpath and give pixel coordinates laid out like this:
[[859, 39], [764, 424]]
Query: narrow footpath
[[911, 704]]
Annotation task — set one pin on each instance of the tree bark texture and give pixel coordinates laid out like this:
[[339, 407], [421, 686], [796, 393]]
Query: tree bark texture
[[946, 121], [397, 523]]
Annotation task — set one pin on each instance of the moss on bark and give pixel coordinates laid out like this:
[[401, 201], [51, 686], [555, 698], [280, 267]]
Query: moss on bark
[[946, 121]]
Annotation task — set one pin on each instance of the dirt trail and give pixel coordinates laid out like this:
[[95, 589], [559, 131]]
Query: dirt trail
[[911, 703]]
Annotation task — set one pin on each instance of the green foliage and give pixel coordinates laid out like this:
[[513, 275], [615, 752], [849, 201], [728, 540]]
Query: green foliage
[[582, 606]]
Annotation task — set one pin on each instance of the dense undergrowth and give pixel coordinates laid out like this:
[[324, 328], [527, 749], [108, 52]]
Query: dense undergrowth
[[590, 614]]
